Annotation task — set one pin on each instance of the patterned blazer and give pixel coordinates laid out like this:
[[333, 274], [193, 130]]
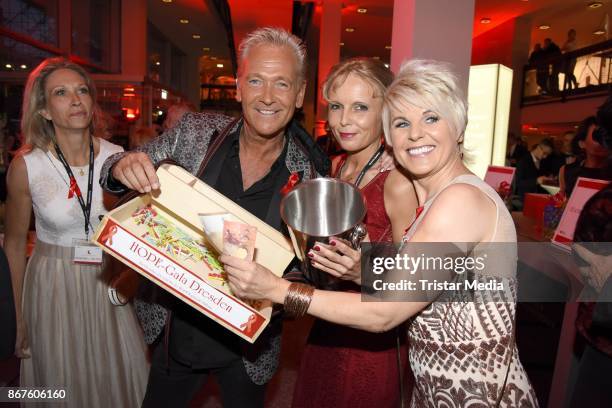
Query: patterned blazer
[[187, 144]]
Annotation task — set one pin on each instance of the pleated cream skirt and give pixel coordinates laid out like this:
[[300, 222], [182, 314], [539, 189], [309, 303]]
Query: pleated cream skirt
[[79, 341]]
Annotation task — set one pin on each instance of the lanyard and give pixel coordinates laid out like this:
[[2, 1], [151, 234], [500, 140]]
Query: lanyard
[[74, 189], [368, 165]]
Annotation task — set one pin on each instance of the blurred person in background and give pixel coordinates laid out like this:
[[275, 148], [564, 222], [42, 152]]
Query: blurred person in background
[[516, 149], [569, 65], [593, 250], [552, 53], [175, 113], [529, 173], [592, 157]]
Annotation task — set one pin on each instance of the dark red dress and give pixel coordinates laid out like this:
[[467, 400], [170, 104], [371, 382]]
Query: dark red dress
[[346, 367]]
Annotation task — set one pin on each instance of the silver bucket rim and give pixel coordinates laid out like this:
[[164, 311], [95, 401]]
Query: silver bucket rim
[[318, 180]]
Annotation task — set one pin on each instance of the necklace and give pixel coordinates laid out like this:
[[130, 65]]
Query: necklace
[[367, 167], [81, 172]]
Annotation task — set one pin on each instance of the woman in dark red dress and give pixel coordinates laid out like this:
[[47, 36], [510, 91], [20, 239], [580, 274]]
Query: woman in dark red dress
[[341, 366]]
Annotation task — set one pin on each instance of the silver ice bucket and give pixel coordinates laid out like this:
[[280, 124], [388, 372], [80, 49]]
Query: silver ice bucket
[[318, 209]]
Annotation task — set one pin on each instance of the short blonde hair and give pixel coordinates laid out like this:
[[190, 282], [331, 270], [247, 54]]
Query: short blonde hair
[[35, 129], [427, 84], [276, 37], [370, 70]]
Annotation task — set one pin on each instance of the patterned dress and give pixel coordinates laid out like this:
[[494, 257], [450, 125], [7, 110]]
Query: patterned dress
[[463, 353]]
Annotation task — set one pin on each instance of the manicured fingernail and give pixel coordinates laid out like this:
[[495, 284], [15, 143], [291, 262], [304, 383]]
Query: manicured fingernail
[[317, 248], [333, 243], [310, 254]]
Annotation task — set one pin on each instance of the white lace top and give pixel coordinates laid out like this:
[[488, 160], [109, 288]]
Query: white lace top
[[59, 219]]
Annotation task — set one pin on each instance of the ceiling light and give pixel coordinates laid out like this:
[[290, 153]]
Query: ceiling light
[[213, 58], [219, 65], [387, 47], [485, 20], [543, 26], [599, 31], [595, 4], [196, 36], [386, 65], [23, 66], [349, 29], [157, 63], [342, 44], [362, 10], [9, 66], [164, 94], [206, 49], [376, 57], [166, 1], [184, 21]]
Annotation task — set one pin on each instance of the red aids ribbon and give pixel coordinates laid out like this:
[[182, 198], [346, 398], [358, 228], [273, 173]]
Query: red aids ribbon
[[74, 188], [108, 237], [294, 178], [248, 326]]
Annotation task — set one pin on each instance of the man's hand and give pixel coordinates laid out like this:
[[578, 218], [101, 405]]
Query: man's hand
[[136, 171]]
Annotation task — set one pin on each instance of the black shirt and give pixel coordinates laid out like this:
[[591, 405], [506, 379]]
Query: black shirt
[[575, 170], [196, 340]]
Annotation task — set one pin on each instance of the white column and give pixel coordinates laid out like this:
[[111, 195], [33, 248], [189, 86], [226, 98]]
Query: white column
[[329, 51], [433, 29]]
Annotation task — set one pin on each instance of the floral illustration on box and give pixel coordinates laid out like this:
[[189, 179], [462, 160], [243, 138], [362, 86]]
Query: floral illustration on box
[[166, 236]]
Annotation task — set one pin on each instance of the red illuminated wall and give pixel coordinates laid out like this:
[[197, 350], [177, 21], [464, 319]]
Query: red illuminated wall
[[248, 15], [494, 46]]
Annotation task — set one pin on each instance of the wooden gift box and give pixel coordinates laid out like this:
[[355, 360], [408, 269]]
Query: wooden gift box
[[160, 236]]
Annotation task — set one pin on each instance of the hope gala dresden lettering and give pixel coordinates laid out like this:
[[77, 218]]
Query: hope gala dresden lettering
[[157, 261], [195, 286]]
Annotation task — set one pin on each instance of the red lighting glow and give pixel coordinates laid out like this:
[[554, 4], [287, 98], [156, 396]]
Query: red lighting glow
[[130, 114]]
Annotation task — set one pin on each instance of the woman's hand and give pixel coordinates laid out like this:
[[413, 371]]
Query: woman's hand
[[338, 259], [386, 162], [250, 280], [599, 269], [22, 347]]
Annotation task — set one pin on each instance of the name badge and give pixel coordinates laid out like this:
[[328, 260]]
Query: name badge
[[84, 252]]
